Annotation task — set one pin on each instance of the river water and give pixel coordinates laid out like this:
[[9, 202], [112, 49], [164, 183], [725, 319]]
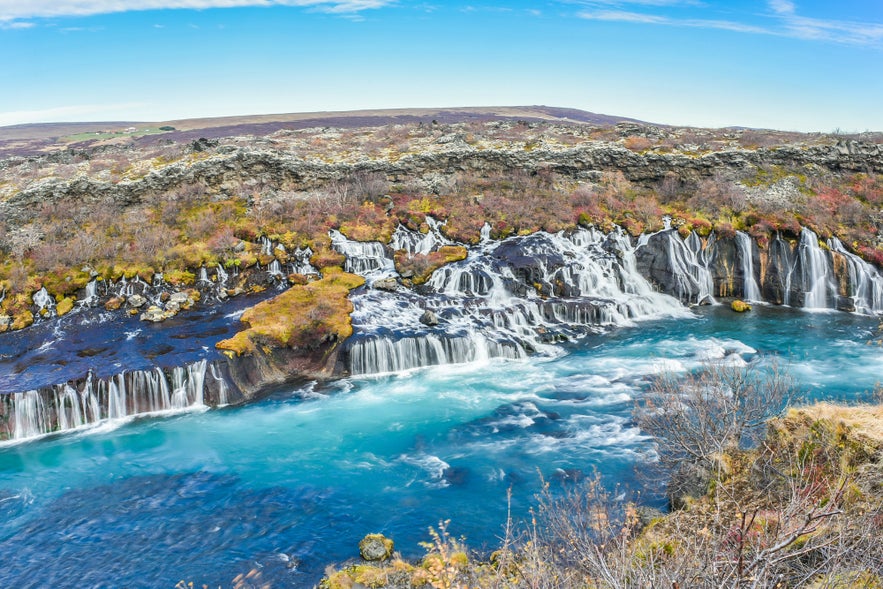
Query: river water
[[291, 483]]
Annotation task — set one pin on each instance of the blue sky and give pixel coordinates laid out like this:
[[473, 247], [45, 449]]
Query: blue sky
[[806, 65]]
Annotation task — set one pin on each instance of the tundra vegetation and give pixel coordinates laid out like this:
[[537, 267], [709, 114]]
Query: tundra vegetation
[[141, 209]]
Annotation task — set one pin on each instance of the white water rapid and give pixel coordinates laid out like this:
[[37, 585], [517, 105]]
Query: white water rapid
[[506, 299]]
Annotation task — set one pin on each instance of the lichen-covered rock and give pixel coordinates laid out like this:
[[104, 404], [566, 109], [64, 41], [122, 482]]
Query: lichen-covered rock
[[375, 547], [181, 298], [154, 314], [306, 317], [22, 320]]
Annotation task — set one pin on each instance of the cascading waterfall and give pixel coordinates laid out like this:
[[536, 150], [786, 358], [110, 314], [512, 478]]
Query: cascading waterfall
[[865, 282], [266, 246], [363, 258], [221, 384], [221, 274], [419, 243], [506, 299], [681, 268], [691, 265], [44, 300], [275, 269], [750, 288], [64, 407], [300, 262], [813, 273], [29, 416]]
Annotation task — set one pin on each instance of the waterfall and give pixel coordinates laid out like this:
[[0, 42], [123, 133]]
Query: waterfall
[[380, 355], [414, 242], [44, 300], [507, 299], [363, 257], [125, 395], [813, 273], [223, 391], [300, 262], [67, 407], [865, 283], [203, 276], [91, 295], [30, 417], [275, 269], [266, 246], [750, 289], [221, 274], [679, 267]]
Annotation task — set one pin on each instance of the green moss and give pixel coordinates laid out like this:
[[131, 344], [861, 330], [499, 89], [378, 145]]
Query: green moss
[[22, 319], [179, 277]]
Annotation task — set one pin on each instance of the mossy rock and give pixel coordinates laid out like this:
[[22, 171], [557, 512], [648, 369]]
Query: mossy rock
[[375, 548], [64, 306], [114, 303], [303, 317], [740, 306], [22, 320]]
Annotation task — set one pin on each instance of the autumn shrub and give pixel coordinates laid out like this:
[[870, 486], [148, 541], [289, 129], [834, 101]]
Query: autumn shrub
[[637, 143]]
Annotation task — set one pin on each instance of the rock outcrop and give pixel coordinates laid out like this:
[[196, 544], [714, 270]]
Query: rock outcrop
[[228, 167]]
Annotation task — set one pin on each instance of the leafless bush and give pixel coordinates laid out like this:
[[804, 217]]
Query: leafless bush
[[23, 240], [721, 408], [716, 193]]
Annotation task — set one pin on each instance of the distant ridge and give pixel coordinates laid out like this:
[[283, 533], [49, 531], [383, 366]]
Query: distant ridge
[[264, 124]]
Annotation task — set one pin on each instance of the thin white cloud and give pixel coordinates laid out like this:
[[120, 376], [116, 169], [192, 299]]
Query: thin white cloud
[[825, 30], [16, 24], [643, 18], [621, 4], [18, 10], [782, 6], [62, 113], [783, 20]]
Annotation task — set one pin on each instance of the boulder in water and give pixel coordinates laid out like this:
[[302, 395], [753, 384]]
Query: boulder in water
[[389, 284], [429, 318], [740, 306], [136, 301], [154, 314], [114, 303], [182, 299], [456, 475], [375, 547]]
